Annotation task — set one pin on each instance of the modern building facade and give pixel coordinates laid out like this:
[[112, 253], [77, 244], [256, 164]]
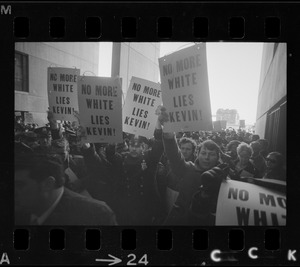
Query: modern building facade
[[271, 106], [135, 59], [32, 60]]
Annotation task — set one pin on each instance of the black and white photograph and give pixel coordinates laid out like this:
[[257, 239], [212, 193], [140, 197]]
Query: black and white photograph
[[150, 133]]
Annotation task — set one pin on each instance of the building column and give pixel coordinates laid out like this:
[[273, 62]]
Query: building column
[[116, 57]]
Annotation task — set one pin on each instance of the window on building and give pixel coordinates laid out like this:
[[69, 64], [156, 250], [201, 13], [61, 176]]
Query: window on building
[[21, 72]]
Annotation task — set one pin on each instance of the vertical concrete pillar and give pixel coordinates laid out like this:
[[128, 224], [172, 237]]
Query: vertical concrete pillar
[[116, 57]]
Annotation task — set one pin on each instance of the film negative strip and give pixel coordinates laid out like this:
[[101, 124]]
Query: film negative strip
[[82, 72]]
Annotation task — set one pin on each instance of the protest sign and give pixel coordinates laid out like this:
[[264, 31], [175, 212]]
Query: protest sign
[[185, 92], [62, 92], [242, 123], [100, 109], [242, 203], [142, 99], [28, 117]]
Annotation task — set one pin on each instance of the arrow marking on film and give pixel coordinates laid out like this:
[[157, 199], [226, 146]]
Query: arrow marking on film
[[114, 260]]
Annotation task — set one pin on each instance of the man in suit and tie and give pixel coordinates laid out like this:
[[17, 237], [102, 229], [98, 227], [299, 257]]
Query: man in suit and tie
[[42, 199]]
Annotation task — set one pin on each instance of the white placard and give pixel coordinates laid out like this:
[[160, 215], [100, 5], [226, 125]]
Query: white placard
[[62, 92], [142, 99], [185, 91], [243, 204], [100, 109]]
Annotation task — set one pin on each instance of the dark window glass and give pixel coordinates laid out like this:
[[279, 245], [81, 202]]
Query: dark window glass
[[21, 72]]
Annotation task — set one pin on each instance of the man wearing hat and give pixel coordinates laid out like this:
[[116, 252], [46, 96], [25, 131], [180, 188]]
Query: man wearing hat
[[42, 199]]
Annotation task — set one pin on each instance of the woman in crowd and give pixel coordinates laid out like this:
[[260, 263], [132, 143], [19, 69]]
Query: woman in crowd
[[275, 167], [243, 168]]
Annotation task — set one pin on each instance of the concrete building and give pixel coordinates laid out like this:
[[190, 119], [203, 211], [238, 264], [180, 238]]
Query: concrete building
[[135, 59], [271, 106], [231, 116], [31, 63]]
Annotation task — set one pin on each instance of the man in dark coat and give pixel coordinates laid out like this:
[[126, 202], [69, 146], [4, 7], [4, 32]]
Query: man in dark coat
[[42, 199], [130, 179], [191, 181], [132, 176], [168, 181]]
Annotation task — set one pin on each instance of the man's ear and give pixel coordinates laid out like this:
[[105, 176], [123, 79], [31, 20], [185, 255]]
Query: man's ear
[[48, 184]]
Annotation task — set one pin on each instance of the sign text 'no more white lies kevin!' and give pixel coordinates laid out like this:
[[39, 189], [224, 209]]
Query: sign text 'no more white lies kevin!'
[[62, 92], [185, 91], [100, 109], [142, 99], [242, 203]]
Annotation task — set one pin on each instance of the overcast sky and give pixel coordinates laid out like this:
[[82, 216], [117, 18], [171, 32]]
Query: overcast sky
[[233, 73]]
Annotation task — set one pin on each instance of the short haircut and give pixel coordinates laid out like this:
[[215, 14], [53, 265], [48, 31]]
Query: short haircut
[[210, 145], [255, 145], [244, 147], [279, 158], [185, 140], [233, 143], [41, 166]]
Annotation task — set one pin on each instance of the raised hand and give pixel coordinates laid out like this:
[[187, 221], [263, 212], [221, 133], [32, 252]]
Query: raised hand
[[162, 114]]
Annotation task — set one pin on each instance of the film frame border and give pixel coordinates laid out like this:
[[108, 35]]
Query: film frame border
[[147, 16]]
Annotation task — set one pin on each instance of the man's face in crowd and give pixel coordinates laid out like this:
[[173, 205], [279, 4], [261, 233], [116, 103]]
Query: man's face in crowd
[[244, 157], [27, 192], [45, 141], [271, 162], [135, 150], [186, 150], [207, 158]]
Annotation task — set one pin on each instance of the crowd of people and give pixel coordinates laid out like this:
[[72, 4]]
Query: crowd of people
[[170, 179]]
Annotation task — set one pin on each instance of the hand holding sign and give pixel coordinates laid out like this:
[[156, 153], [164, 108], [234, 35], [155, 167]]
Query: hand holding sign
[[212, 178], [204, 201], [162, 114], [163, 117]]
